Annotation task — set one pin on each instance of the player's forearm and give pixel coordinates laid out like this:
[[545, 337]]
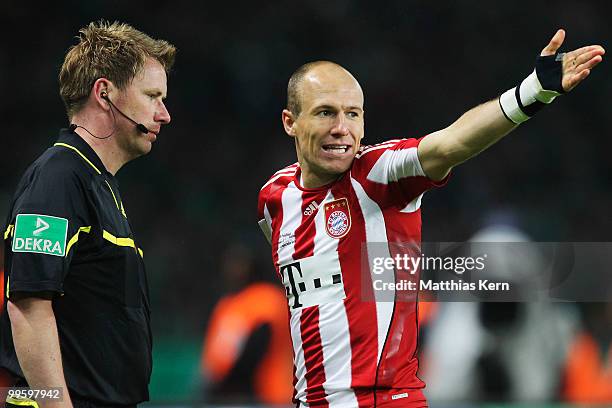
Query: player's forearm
[[472, 133], [37, 347]]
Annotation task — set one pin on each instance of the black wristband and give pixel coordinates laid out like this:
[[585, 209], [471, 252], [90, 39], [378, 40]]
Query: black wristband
[[549, 70]]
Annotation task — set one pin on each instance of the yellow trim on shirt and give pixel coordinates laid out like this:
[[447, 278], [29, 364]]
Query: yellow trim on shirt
[[9, 231], [75, 238], [124, 242], [22, 402], [80, 154], [114, 198], [118, 203]]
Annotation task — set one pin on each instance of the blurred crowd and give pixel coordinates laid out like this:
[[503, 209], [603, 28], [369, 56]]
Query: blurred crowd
[[192, 201]]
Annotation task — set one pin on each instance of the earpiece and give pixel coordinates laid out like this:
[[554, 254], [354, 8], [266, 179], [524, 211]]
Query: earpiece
[[104, 95], [141, 128]]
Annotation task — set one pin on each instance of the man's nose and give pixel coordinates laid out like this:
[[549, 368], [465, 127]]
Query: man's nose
[[162, 115], [340, 127]]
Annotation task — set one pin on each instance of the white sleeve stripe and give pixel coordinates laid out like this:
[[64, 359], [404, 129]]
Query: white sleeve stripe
[[386, 142], [413, 206], [417, 163], [274, 178], [288, 168], [394, 165], [373, 148]]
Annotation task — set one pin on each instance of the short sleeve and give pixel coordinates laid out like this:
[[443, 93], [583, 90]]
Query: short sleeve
[[49, 213], [391, 172]]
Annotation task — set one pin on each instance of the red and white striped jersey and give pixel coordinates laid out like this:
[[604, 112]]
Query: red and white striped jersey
[[345, 346]]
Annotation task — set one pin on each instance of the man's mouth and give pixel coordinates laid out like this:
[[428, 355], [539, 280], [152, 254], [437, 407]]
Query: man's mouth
[[337, 149]]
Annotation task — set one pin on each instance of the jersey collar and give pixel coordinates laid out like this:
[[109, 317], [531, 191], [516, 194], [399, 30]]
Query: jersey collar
[[75, 142]]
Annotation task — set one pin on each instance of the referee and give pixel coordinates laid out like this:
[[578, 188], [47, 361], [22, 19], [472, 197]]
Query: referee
[[77, 315]]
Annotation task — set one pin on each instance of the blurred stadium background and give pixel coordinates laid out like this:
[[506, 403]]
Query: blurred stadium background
[[192, 201]]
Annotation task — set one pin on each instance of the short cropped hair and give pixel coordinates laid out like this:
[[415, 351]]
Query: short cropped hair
[[294, 97], [116, 51]]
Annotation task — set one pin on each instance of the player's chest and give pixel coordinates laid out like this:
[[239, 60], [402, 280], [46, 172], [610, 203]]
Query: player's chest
[[308, 222]]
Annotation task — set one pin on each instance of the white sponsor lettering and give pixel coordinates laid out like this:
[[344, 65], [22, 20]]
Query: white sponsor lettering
[[19, 243], [37, 245], [399, 396]]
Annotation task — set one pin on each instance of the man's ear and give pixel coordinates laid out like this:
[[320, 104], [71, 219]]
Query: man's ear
[[100, 90], [289, 122]]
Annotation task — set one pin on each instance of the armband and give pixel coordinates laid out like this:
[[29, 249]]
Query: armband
[[539, 89]]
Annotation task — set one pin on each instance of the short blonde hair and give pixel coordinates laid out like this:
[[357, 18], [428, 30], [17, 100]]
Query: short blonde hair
[[294, 87], [116, 51]]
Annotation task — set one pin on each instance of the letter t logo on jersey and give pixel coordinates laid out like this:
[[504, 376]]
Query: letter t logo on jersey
[[40, 234]]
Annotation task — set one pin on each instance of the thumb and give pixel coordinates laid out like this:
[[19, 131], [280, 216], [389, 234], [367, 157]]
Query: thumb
[[554, 44]]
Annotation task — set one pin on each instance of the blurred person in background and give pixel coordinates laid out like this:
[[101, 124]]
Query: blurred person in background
[[247, 355], [587, 371], [77, 315], [318, 213], [499, 351]]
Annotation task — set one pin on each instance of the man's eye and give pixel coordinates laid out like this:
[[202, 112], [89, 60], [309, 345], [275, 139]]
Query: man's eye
[[325, 113], [353, 114]]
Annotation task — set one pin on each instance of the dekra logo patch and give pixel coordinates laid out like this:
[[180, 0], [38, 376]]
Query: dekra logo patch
[[41, 234]]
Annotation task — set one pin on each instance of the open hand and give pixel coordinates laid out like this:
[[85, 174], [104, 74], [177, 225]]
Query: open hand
[[576, 64]]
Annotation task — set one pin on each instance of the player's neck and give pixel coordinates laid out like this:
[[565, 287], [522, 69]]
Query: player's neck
[[310, 179]]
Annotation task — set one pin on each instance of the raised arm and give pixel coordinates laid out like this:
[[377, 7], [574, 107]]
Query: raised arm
[[555, 74]]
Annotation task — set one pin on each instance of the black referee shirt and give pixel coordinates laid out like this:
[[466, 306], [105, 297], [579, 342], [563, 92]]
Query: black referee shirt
[[67, 233]]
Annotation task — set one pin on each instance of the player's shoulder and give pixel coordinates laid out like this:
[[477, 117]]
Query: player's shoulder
[[282, 177], [277, 181], [379, 148]]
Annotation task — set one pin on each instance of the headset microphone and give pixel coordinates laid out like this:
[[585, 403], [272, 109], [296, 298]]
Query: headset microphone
[[142, 128]]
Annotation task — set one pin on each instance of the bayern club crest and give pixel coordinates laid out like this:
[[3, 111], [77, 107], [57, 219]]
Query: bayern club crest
[[338, 218]]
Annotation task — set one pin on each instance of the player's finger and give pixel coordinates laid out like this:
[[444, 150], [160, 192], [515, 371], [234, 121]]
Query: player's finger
[[582, 58], [581, 76], [584, 49], [554, 44], [575, 80], [595, 49], [590, 63]]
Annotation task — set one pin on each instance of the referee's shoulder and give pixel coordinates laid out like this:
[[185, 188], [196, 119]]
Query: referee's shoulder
[[57, 163]]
